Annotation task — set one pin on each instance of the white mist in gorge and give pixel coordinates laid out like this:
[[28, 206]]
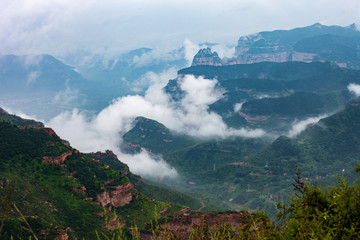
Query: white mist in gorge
[[354, 88], [190, 116], [299, 127]]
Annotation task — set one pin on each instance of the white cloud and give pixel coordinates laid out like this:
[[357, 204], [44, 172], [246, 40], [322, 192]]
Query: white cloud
[[90, 135], [32, 77], [238, 106], [109, 27], [354, 88], [299, 127], [20, 113], [148, 166], [190, 116], [223, 50], [32, 60], [67, 96], [190, 50], [156, 55]]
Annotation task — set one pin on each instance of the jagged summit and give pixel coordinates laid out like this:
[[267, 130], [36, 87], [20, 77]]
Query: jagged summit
[[206, 57]]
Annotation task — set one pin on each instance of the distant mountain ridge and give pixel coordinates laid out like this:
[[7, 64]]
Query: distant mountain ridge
[[34, 82], [256, 172], [317, 42], [270, 94], [24, 74]]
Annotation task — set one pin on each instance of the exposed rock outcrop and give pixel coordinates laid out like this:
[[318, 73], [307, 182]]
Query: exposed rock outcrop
[[206, 57], [81, 190], [58, 160], [49, 131], [62, 235], [117, 197]]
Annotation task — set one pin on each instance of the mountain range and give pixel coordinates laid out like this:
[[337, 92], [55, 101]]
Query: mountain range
[[298, 88], [307, 44]]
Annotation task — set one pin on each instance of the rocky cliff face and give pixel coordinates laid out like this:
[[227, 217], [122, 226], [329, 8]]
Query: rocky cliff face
[[206, 57], [258, 48], [247, 54], [339, 45], [117, 197]]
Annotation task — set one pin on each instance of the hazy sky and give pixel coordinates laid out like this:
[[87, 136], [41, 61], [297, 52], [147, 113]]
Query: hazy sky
[[113, 26]]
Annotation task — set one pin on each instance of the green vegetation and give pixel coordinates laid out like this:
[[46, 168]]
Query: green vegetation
[[299, 104], [324, 213], [274, 95], [334, 48], [4, 116], [42, 198], [168, 195], [256, 173], [298, 76], [313, 212], [155, 137], [48, 188], [41, 191]]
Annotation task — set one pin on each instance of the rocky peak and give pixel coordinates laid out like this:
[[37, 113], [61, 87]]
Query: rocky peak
[[206, 57]]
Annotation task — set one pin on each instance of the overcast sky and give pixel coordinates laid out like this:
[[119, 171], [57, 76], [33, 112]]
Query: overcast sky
[[59, 27]]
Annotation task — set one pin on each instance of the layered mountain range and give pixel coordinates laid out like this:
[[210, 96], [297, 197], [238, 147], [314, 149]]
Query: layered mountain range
[[281, 98], [297, 88]]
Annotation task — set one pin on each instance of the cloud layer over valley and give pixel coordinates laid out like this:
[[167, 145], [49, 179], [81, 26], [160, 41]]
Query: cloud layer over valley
[[190, 116]]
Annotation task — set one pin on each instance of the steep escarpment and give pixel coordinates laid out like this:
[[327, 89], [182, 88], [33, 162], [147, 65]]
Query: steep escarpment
[[313, 43], [317, 42]]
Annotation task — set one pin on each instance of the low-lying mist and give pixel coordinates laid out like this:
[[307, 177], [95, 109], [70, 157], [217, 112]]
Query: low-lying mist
[[189, 116]]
